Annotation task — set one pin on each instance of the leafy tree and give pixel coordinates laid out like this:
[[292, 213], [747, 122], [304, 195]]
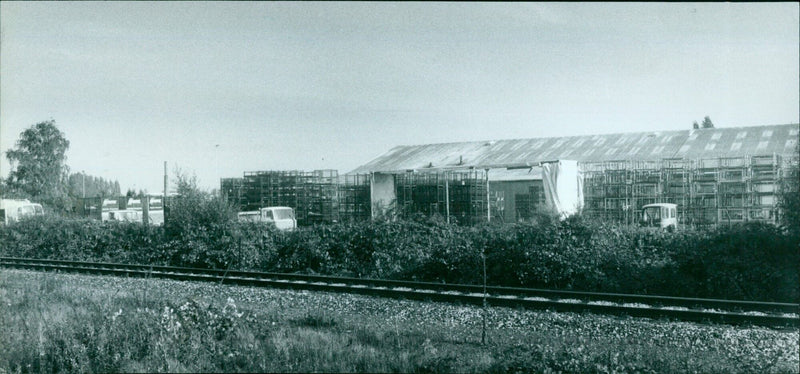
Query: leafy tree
[[79, 183], [707, 124], [38, 168]]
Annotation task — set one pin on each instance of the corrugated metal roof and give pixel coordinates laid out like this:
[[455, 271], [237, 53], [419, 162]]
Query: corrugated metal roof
[[646, 146]]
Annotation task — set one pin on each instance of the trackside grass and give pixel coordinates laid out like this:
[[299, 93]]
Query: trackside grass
[[77, 323]]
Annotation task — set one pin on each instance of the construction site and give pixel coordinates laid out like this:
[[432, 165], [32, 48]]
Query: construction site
[[707, 191], [714, 176], [323, 196]]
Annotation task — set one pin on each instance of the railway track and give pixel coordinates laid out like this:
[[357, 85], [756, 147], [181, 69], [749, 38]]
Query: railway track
[[683, 309]]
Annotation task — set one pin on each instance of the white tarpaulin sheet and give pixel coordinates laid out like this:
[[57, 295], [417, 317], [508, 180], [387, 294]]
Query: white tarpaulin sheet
[[563, 186]]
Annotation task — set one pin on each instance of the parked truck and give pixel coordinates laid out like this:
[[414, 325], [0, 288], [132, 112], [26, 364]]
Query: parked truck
[[661, 215], [282, 217]]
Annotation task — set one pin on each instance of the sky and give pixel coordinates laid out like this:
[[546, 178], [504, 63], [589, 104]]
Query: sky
[[220, 88]]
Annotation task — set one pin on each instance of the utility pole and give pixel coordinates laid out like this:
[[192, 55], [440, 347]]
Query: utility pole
[[164, 199], [483, 259], [146, 210], [165, 184], [447, 195], [216, 164], [488, 202]]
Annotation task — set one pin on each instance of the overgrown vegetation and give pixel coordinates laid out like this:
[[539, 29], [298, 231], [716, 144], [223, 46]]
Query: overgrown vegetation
[[754, 261], [73, 323]]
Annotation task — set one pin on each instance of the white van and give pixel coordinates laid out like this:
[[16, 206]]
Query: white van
[[662, 215], [126, 215], [282, 217], [13, 210]]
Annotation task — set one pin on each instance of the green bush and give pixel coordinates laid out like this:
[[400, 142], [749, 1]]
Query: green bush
[[752, 261]]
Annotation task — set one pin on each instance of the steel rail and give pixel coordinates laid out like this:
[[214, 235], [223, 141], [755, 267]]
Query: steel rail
[[685, 309]]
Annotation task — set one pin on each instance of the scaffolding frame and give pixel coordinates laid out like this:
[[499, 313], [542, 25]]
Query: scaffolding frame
[[707, 191], [354, 200], [313, 195], [721, 190], [458, 195]]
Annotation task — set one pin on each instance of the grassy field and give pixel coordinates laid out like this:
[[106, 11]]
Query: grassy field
[[74, 323]]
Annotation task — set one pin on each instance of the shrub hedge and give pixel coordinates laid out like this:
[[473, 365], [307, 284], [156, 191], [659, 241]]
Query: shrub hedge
[[751, 261]]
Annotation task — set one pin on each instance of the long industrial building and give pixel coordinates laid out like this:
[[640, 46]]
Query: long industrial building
[[715, 176]]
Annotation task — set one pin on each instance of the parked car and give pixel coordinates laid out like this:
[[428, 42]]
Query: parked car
[[282, 217]]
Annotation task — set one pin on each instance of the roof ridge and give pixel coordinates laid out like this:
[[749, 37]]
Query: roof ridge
[[645, 145], [593, 135]]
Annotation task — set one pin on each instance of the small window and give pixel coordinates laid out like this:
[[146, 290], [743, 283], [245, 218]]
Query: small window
[[268, 215], [282, 214], [672, 213]]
